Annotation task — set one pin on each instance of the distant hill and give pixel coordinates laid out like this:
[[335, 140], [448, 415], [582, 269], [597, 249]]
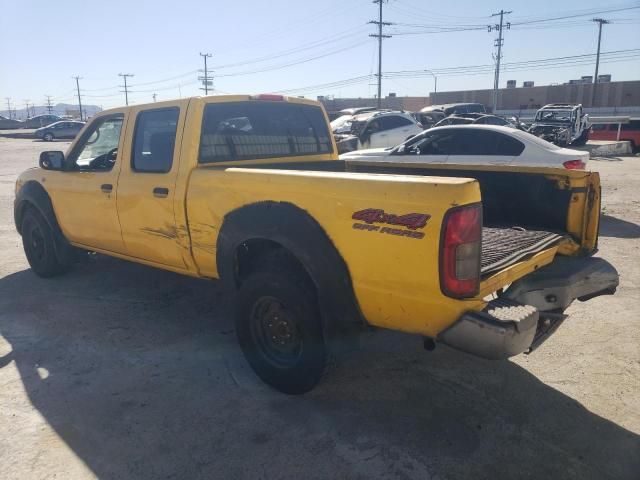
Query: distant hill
[[58, 109]]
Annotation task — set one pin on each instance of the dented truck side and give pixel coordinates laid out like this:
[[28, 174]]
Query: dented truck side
[[250, 190]]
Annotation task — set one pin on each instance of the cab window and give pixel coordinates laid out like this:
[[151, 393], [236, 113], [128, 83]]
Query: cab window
[[261, 129], [154, 140], [98, 147]]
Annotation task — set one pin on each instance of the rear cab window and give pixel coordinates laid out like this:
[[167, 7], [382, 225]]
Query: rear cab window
[[262, 129]]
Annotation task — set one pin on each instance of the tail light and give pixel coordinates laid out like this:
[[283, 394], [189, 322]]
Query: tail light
[[268, 96], [460, 251], [574, 165]]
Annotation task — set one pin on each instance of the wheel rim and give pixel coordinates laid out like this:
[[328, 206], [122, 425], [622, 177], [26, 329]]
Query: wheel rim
[[37, 244], [275, 332]]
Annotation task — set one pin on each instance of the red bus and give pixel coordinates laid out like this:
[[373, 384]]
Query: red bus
[[609, 131]]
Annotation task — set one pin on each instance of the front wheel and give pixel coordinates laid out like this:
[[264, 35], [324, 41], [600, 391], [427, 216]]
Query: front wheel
[[48, 137], [582, 139], [39, 246], [280, 332]]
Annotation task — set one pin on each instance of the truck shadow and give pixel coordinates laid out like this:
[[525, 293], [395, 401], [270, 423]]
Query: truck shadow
[[138, 372], [616, 227]]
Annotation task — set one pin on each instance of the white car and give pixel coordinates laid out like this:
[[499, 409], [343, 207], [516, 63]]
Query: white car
[[476, 144], [374, 130]]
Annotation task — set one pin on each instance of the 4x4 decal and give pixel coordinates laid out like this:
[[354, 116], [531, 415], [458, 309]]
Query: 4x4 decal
[[411, 222]]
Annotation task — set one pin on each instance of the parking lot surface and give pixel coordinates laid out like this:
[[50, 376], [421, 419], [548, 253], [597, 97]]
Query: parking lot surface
[[117, 370]]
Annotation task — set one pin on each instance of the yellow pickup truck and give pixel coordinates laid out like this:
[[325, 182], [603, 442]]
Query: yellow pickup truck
[[250, 190]]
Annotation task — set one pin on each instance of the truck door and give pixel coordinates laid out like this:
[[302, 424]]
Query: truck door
[[84, 196], [147, 185]]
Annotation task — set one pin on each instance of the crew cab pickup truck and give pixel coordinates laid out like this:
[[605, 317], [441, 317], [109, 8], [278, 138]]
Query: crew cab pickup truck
[[249, 190]]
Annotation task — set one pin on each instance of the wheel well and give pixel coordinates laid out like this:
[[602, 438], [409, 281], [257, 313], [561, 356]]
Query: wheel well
[[262, 254]]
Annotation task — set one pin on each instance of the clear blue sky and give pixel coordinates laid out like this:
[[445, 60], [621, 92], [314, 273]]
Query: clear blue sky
[[44, 43]]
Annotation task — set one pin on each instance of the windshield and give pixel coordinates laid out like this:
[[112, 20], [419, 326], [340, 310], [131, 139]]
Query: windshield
[[553, 116]]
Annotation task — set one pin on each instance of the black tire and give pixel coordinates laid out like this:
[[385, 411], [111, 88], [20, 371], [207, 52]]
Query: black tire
[[279, 329], [39, 245], [582, 139], [49, 137]]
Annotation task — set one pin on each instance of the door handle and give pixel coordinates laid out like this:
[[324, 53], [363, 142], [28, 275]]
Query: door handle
[[106, 187], [160, 192]]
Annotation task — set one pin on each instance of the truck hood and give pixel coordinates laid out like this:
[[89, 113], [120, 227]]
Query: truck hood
[[369, 154]]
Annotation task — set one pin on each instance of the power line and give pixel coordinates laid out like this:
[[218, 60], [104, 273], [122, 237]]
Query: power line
[[126, 90], [600, 22], [206, 80], [379, 36], [498, 43]]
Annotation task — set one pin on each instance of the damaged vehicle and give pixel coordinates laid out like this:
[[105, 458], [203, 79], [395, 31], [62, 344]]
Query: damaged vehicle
[[248, 190], [562, 124], [377, 129], [474, 119]]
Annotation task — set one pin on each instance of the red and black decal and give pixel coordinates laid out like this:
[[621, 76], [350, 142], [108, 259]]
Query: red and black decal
[[412, 221]]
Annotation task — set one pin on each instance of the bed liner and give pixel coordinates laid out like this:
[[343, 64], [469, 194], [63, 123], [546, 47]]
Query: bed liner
[[505, 246]]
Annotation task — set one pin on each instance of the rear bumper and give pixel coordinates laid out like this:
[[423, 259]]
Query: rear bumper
[[529, 312], [503, 329]]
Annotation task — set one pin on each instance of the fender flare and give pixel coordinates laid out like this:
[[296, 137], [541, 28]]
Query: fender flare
[[32, 194], [297, 231]]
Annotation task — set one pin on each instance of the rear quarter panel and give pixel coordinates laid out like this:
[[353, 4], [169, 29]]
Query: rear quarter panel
[[395, 278]]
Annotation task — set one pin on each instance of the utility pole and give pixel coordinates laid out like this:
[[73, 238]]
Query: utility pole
[[8, 99], [126, 90], [498, 43], [435, 85], [79, 100], [600, 22], [26, 104], [49, 104], [379, 36], [154, 97], [205, 80]]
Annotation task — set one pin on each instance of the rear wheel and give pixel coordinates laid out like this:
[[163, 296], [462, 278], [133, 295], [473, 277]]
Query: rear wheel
[[279, 330], [39, 246]]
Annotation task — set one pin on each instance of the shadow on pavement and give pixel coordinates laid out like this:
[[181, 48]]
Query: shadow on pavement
[[616, 227], [144, 380]]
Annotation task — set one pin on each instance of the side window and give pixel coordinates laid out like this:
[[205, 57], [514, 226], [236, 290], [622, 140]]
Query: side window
[[632, 125], [484, 142], [394, 121], [154, 140], [436, 143], [98, 147], [600, 126]]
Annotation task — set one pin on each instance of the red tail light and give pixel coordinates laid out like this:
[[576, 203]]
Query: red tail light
[[460, 251], [272, 97], [574, 165]]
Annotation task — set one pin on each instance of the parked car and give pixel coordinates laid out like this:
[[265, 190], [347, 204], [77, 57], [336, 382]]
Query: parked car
[[9, 123], [40, 121], [561, 123], [374, 129], [63, 129], [629, 132], [476, 144], [474, 119]]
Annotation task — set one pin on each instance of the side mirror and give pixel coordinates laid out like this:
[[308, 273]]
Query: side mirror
[[52, 160]]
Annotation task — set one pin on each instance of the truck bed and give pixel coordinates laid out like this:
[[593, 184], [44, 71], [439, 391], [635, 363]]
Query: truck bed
[[505, 246]]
